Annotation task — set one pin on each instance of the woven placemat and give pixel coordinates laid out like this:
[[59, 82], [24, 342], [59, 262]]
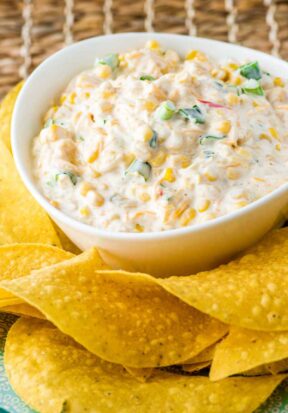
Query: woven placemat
[[31, 30]]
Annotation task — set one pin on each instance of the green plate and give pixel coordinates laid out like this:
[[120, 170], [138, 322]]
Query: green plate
[[11, 403]]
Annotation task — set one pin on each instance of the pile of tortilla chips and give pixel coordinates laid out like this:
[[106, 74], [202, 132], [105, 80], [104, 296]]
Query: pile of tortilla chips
[[91, 339]]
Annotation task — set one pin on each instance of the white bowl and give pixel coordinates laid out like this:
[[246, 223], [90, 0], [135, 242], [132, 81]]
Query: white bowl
[[179, 251]]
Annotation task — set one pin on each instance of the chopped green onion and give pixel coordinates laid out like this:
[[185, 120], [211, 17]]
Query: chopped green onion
[[79, 138], [142, 168], [166, 110], [51, 121], [111, 60], [153, 143], [193, 113], [208, 138], [209, 154], [147, 77], [252, 87], [251, 71], [73, 177]]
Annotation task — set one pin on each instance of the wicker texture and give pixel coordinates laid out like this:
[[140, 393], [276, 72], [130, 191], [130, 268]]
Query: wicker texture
[[31, 30]]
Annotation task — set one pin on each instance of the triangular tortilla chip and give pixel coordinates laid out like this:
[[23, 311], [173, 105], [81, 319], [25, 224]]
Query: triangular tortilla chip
[[244, 349], [249, 292], [52, 373], [123, 318]]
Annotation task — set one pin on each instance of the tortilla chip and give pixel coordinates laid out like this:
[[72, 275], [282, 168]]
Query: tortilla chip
[[50, 372], [121, 317], [277, 367], [6, 110], [66, 243], [249, 292], [142, 375], [22, 310], [245, 349], [193, 368], [21, 218], [17, 260], [205, 355]]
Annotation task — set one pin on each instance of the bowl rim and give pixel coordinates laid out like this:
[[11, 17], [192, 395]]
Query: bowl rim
[[60, 216]]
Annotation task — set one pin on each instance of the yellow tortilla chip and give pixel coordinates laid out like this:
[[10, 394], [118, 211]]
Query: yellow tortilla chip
[[51, 372], [121, 317], [6, 110], [17, 260], [66, 243], [21, 218], [193, 368], [249, 292], [245, 349], [22, 310], [142, 375], [205, 355], [277, 367]]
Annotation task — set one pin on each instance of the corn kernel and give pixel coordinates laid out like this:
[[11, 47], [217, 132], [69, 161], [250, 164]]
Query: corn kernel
[[169, 175], [84, 188], [106, 94], [159, 159], [238, 81], [128, 158], [257, 179], [191, 55], [99, 200], [179, 211], [152, 44], [145, 197], [264, 136], [147, 134], [224, 127], [167, 213], [84, 211], [222, 74], [232, 173], [55, 204], [186, 218], [278, 147], [210, 177], [233, 99], [72, 98], [244, 153], [96, 174], [87, 95], [184, 161], [103, 71], [255, 104], [273, 132], [278, 82], [62, 99], [241, 204], [233, 66], [149, 105], [94, 155], [204, 205], [54, 108], [139, 228]]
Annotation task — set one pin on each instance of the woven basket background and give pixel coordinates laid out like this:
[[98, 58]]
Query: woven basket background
[[30, 30]]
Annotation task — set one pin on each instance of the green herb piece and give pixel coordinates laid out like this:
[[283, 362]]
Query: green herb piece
[[111, 60], [147, 77], [142, 168], [251, 71], [193, 113], [252, 87], [79, 138], [208, 138], [209, 154], [166, 110], [153, 143], [49, 122], [73, 177]]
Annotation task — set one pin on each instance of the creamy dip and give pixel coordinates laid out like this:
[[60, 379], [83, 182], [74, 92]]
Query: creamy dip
[[148, 141]]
